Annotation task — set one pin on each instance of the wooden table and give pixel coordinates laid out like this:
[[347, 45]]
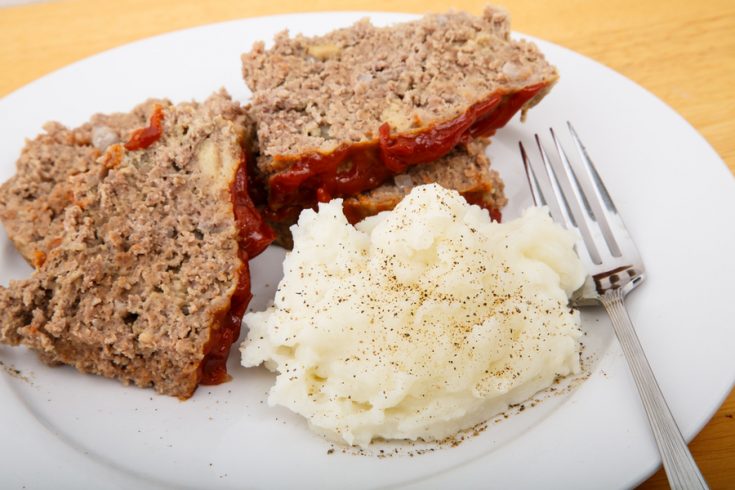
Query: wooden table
[[682, 51]]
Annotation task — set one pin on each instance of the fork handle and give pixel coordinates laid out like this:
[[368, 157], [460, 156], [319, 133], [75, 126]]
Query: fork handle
[[681, 470]]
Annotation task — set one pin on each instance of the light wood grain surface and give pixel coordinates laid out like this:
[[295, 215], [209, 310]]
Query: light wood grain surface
[[682, 51]]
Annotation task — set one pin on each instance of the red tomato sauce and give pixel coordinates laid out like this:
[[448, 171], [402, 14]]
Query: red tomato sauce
[[253, 237], [351, 169], [144, 137]]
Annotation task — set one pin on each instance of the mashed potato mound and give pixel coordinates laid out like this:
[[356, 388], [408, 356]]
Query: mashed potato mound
[[419, 322]]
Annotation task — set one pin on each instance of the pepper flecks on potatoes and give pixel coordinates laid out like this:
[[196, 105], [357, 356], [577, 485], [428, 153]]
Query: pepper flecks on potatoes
[[418, 322]]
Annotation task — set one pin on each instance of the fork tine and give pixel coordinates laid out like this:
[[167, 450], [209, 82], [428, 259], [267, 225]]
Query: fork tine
[[592, 170], [572, 174], [599, 190], [536, 194], [570, 196], [557, 203]]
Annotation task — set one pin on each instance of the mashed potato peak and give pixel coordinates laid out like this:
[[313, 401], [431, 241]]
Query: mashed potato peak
[[419, 322]]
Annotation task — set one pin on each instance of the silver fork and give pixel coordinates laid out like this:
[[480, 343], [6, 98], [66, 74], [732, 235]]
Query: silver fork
[[577, 198]]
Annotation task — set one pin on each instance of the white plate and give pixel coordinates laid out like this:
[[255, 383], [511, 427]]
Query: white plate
[[65, 430]]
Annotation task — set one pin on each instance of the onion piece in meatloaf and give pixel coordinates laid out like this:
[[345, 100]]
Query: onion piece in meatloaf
[[149, 279], [465, 169], [342, 113]]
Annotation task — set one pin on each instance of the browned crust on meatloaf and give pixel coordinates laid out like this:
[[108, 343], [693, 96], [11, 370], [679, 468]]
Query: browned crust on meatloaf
[[315, 94], [32, 202], [148, 259], [466, 169]]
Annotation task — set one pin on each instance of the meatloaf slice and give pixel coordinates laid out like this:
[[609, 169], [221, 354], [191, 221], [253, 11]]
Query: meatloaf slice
[[466, 169], [149, 278], [342, 113], [32, 202]]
